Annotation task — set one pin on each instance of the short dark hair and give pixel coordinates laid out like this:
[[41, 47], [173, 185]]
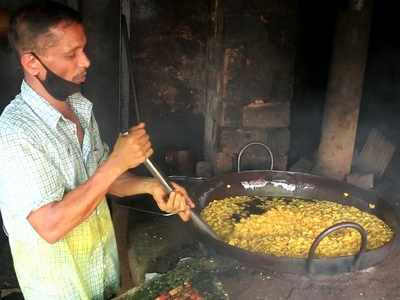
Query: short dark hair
[[34, 20]]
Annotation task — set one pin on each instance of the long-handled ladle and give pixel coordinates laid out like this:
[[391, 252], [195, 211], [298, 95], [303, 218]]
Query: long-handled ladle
[[197, 221]]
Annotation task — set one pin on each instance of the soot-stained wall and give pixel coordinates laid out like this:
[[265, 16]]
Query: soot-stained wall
[[259, 43], [171, 54], [170, 40]]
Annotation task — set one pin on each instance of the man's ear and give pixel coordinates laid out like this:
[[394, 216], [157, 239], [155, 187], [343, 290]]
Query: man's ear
[[30, 64]]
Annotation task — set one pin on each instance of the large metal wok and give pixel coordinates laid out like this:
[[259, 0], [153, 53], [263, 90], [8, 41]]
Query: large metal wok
[[305, 186]]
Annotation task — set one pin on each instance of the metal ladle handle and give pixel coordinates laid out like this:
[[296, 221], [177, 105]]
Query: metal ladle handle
[[157, 174], [169, 188]]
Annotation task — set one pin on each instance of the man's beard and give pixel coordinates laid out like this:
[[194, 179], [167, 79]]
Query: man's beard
[[57, 86]]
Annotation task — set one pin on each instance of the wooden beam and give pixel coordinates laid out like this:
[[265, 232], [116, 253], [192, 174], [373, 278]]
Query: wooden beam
[[213, 93], [120, 216], [344, 92]]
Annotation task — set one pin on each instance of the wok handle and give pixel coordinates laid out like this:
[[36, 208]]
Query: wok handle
[[253, 144], [329, 230]]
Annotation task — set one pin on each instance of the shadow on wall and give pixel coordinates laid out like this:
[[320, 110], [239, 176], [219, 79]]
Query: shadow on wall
[[10, 72], [10, 75]]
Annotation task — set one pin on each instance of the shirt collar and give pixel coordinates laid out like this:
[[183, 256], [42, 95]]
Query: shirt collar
[[39, 105], [81, 106]]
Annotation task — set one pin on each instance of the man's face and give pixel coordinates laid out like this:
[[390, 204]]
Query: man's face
[[66, 54]]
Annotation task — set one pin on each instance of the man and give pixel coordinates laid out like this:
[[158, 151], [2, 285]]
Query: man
[[55, 169]]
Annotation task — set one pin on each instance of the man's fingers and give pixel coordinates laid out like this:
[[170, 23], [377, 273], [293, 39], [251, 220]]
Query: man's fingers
[[141, 137], [136, 132], [180, 189], [136, 135], [149, 153], [171, 202], [185, 215], [182, 203], [176, 202], [189, 201], [141, 125], [160, 201], [141, 151]]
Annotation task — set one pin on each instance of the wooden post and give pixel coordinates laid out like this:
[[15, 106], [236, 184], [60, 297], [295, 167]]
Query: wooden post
[[213, 87], [344, 91], [120, 216]]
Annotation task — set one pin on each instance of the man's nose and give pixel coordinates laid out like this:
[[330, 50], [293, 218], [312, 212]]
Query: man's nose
[[84, 61]]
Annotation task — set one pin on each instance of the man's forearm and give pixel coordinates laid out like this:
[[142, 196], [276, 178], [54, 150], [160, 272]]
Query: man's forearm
[[128, 184], [53, 221], [177, 201]]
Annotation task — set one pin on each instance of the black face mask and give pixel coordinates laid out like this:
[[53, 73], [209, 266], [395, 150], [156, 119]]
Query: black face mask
[[57, 86]]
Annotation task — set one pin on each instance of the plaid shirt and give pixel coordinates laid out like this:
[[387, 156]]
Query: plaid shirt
[[41, 160]]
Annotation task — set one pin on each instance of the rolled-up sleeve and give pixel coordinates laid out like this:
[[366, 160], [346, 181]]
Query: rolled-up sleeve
[[28, 178]]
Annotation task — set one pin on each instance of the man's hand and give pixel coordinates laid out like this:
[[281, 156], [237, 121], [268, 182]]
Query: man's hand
[[178, 201], [131, 149]]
